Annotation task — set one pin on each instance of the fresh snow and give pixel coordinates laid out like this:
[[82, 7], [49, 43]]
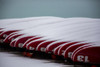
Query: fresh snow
[[13, 59]]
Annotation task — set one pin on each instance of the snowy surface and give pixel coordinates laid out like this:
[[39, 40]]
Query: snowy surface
[[14, 59]]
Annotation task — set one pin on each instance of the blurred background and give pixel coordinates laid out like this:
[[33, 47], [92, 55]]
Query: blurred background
[[59, 8]]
